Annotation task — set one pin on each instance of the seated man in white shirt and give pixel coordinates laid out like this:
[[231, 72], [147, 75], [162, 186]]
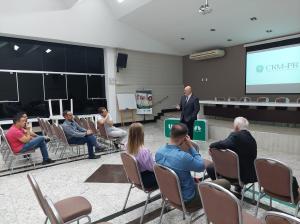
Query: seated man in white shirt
[[104, 118]]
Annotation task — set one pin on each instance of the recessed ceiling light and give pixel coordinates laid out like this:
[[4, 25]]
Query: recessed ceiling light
[[269, 31], [253, 18], [16, 47], [212, 29], [48, 51], [120, 1], [182, 38], [229, 39]]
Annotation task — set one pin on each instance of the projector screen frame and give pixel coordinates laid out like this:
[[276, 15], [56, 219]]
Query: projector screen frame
[[265, 46]]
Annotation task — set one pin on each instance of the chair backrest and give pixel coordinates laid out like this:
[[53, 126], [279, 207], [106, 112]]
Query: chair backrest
[[274, 176], [77, 120], [169, 186], [280, 218], [6, 141], [52, 212], [55, 131], [84, 123], [62, 135], [102, 131], [232, 99], [220, 99], [37, 192], [282, 100], [46, 130], [219, 204], [262, 99], [48, 127], [245, 99], [92, 126], [132, 170], [41, 125], [226, 163]]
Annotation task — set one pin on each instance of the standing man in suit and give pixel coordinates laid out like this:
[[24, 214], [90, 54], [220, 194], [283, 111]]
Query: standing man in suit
[[189, 106]]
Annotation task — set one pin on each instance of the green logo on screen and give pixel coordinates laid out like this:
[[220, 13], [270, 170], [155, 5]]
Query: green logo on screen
[[259, 68]]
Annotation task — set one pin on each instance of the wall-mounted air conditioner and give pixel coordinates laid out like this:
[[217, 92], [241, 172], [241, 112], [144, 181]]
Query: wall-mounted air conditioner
[[207, 55]]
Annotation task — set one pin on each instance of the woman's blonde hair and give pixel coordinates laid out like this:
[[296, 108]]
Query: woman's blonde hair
[[135, 138]]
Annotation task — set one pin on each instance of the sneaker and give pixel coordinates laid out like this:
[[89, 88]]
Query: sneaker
[[48, 161], [95, 157]]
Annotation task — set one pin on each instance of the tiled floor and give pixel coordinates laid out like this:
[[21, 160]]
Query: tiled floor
[[18, 203]]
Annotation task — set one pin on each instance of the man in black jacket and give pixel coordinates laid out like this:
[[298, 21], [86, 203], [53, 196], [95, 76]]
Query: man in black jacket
[[244, 145], [189, 106]]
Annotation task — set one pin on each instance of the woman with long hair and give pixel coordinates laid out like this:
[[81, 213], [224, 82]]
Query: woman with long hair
[[136, 148]]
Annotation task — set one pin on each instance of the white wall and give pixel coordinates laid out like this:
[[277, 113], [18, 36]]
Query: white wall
[[161, 73], [89, 22]]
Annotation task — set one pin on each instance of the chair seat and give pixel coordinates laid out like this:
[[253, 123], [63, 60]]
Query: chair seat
[[73, 207], [283, 198], [250, 219]]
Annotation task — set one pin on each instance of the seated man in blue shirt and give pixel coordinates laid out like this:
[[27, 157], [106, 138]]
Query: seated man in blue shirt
[[78, 135], [181, 157]]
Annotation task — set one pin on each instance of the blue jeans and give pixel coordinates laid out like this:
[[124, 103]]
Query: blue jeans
[[89, 139], [37, 142]]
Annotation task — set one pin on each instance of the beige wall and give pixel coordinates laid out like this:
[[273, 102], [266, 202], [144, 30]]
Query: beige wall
[[161, 73], [225, 76]]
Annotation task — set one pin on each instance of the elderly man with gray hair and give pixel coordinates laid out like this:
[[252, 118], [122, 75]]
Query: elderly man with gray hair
[[244, 145]]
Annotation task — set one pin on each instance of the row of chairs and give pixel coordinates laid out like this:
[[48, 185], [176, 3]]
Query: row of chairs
[[56, 134], [260, 99], [169, 185], [99, 131], [275, 178], [10, 157], [58, 140]]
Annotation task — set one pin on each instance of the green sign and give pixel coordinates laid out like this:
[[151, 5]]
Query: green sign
[[200, 128], [168, 125]]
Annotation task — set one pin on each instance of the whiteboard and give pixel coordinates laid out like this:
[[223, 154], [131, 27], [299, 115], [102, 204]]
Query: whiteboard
[[126, 101]]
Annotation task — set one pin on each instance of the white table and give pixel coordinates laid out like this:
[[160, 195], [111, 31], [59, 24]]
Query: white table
[[242, 103]]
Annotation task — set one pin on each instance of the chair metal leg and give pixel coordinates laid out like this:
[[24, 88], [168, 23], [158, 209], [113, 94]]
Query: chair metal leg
[[258, 200], [243, 194], [207, 221], [162, 211], [297, 209], [191, 218], [127, 197], [46, 220], [145, 207], [183, 215], [253, 192], [270, 203]]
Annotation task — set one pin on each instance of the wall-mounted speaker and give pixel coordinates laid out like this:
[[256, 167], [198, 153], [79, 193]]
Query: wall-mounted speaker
[[121, 61]]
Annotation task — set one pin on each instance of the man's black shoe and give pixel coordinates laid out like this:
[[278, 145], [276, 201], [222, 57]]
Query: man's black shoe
[[47, 139], [95, 157], [237, 189], [27, 156], [48, 161]]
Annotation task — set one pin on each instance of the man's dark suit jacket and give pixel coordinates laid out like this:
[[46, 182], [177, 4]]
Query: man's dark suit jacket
[[190, 109], [244, 145]]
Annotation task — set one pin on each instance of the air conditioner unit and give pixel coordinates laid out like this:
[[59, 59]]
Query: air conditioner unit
[[207, 55]]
